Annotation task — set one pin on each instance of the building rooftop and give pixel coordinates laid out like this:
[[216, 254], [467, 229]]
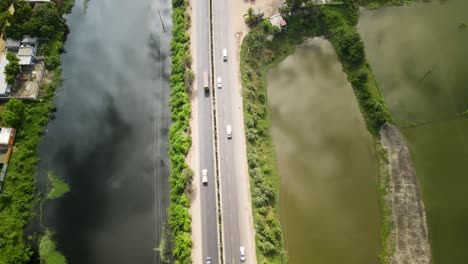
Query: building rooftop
[[3, 83], [25, 55], [277, 20], [37, 1], [25, 51], [5, 135], [10, 43], [29, 40]]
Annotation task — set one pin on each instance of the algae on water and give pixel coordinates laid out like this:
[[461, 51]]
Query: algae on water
[[48, 252], [58, 186]]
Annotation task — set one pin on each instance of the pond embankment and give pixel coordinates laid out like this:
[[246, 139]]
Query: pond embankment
[[264, 48], [409, 233]]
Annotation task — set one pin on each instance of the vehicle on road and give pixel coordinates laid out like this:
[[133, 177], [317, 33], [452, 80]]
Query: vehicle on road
[[205, 81], [242, 254], [204, 173], [208, 260], [218, 80], [229, 131], [225, 54]]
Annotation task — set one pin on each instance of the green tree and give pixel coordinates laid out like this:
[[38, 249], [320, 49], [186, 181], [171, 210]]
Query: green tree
[[12, 69], [352, 48], [22, 14]]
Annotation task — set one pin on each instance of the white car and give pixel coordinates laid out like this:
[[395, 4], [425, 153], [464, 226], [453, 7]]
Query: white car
[[219, 82], [204, 173], [242, 254], [225, 54], [229, 131]]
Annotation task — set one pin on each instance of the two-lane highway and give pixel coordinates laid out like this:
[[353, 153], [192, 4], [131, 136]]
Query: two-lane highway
[[208, 200]]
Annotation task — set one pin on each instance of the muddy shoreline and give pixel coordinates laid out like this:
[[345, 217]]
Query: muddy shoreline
[[409, 233]]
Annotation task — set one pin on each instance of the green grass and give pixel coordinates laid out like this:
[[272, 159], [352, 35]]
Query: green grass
[[58, 186], [48, 252]]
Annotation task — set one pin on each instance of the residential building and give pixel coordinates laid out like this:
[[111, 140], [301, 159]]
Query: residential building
[[7, 138]]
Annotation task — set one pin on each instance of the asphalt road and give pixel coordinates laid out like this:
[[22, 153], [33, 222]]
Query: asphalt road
[[208, 199], [228, 158]]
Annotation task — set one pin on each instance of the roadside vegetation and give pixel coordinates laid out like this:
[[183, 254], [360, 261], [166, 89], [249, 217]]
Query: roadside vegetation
[[259, 53], [19, 197], [179, 134]]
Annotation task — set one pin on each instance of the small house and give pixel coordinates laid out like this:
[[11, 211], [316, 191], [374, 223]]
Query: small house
[[278, 21], [4, 86], [12, 45], [26, 55], [7, 137], [29, 41]]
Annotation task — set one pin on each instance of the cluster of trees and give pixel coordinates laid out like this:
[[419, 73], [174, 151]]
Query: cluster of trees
[[338, 24], [44, 21], [12, 69], [179, 135]]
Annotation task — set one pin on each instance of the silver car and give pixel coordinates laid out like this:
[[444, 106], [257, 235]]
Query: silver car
[[242, 254], [218, 80]]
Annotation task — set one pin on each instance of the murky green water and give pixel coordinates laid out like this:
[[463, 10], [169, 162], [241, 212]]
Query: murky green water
[[420, 56], [329, 209]]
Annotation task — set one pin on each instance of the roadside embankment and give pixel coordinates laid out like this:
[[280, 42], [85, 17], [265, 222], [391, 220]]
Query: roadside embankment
[[409, 235], [179, 134]]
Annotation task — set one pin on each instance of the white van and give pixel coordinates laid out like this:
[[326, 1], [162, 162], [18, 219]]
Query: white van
[[225, 54], [229, 131]]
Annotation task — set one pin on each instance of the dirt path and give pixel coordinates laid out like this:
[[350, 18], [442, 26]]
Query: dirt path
[[192, 157], [409, 232]]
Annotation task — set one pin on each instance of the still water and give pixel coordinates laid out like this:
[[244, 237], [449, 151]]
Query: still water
[[325, 155], [109, 134], [419, 55]]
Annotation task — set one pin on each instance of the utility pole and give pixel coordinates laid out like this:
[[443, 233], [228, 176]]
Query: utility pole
[[162, 23]]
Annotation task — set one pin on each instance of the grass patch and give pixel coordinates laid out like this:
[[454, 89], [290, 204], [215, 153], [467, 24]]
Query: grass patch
[[58, 186], [48, 252]]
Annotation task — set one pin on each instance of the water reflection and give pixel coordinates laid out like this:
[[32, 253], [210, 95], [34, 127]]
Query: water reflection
[[325, 156], [111, 123]]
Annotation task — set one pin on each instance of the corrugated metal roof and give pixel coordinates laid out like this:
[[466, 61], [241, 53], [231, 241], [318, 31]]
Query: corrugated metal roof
[[3, 84]]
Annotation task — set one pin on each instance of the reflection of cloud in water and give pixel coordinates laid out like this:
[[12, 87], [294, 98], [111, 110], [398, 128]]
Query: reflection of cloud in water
[[325, 157]]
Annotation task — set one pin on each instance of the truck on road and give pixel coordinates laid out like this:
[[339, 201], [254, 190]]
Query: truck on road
[[205, 81]]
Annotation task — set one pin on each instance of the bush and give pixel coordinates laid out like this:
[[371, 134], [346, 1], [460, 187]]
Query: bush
[[179, 142]]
